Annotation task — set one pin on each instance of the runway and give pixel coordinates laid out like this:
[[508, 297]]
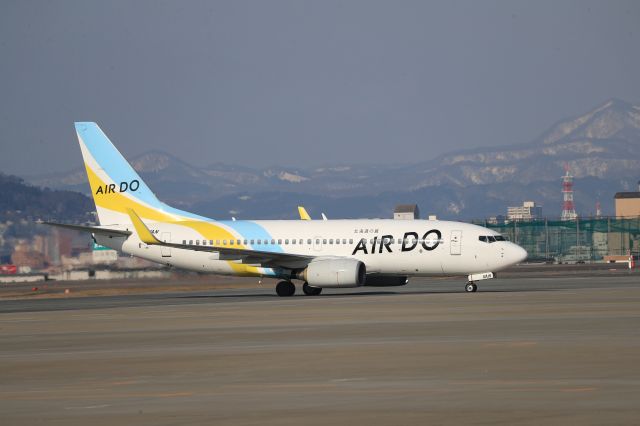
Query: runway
[[523, 350]]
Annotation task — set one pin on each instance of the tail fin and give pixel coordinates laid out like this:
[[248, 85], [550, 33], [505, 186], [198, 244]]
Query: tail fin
[[115, 185]]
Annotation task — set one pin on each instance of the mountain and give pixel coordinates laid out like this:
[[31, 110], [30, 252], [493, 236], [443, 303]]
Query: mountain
[[19, 200], [603, 143], [601, 147]]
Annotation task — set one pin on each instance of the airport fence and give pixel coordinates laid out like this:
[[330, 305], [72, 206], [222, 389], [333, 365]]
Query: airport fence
[[570, 241]]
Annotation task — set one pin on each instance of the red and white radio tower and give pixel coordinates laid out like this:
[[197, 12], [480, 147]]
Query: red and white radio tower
[[568, 209]]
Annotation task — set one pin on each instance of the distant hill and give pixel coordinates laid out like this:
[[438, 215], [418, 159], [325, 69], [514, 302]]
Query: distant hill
[[603, 143], [602, 148], [19, 200]]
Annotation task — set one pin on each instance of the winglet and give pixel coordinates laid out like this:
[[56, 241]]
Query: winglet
[[303, 213], [143, 232]]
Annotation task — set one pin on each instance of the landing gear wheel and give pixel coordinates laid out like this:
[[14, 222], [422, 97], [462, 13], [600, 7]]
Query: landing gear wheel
[[311, 291], [285, 289], [471, 288]]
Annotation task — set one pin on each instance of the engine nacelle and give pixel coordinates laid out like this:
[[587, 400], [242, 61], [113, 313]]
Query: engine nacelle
[[376, 280], [334, 273]]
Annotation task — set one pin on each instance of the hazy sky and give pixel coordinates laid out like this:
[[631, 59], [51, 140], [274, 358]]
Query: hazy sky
[[303, 83]]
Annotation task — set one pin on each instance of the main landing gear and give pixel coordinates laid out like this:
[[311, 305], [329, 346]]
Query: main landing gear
[[286, 289], [471, 287], [311, 291]]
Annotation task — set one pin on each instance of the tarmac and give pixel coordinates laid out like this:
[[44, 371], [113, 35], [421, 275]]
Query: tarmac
[[525, 349]]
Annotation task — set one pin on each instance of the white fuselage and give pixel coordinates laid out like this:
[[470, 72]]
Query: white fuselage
[[389, 246]]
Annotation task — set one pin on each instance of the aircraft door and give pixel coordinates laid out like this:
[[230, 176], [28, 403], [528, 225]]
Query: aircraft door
[[166, 237], [456, 242]]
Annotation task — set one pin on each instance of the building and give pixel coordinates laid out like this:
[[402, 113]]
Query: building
[[497, 220], [628, 203], [406, 211], [527, 211]]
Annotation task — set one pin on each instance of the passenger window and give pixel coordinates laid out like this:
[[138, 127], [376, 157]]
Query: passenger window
[[190, 242], [292, 241], [351, 241], [224, 242], [279, 241], [337, 240], [331, 241], [259, 242], [184, 242], [217, 242], [273, 241], [197, 242], [252, 242], [324, 241], [317, 241], [231, 242], [300, 241]]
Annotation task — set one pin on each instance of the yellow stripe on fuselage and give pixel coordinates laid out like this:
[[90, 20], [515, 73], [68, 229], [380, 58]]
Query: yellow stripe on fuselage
[[117, 202]]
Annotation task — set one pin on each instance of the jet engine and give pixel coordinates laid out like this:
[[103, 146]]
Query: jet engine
[[337, 273]]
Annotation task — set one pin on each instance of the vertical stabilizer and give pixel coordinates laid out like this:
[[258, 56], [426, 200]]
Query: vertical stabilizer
[[115, 185]]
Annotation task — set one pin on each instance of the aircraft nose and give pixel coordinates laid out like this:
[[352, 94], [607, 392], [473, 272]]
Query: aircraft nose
[[518, 254]]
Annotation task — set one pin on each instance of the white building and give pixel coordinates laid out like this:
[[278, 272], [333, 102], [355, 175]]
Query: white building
[[527, 211]]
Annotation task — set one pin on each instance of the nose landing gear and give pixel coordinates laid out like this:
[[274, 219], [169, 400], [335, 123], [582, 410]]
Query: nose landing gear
[[471, 287]]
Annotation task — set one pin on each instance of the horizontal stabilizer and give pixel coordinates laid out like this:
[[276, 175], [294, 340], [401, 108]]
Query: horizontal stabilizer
[[93, 229]]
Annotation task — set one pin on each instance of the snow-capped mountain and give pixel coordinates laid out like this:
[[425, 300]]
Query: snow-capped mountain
[[601, 147]]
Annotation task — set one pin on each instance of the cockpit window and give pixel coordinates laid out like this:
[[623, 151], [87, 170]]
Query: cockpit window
[[491, 238]]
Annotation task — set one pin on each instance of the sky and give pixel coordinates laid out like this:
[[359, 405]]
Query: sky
[[303, 83]]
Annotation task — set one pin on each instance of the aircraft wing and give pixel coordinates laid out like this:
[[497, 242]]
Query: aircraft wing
[[93, 229], [263, 258]]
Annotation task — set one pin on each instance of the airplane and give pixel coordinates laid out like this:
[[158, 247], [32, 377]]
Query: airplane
[[322, 254]]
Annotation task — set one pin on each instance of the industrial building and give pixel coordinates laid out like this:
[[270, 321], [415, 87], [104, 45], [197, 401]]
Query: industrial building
[[628, 203]]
